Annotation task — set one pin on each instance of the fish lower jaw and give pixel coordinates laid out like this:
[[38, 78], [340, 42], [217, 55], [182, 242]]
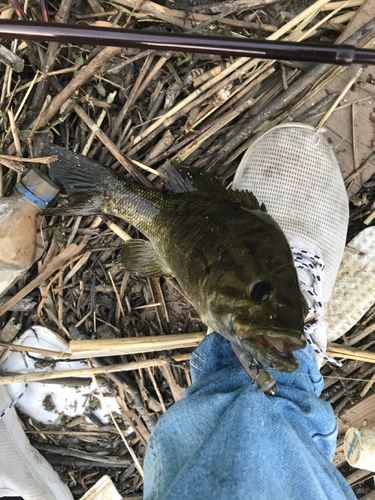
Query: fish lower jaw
[[275, 353]]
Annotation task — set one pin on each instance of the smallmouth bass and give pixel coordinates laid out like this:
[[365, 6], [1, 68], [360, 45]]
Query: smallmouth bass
[[229, 256]]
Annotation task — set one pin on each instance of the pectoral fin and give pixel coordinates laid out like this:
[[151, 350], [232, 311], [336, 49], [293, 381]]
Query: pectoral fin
[[140, 258]]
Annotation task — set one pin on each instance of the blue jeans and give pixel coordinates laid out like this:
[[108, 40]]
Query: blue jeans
[[226, 441]]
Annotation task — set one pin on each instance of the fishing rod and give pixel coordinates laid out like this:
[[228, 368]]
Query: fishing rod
[[178, 42]]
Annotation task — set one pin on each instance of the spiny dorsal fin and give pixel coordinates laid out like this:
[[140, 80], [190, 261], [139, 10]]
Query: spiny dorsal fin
[[140, 258], [174, 180], [246, 198], [184, 180]]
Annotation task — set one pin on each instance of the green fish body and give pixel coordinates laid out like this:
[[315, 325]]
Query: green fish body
[[230, 257]]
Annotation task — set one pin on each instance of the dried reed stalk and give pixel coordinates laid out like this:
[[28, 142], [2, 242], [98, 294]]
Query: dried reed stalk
[[84, 372], [81, 349], [339, 351], [44, 159]]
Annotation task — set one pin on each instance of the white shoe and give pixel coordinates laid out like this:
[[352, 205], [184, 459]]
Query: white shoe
[[23, 471], [354, 290], [293, 171]]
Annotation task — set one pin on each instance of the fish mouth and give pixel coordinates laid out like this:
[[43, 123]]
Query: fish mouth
[[273, 347], [274, 333]]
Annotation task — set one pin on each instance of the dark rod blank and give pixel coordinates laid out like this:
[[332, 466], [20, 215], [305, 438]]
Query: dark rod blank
[[141, 39]]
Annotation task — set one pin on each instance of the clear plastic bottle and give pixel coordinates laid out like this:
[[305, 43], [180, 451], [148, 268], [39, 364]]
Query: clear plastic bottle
[[18, 225]]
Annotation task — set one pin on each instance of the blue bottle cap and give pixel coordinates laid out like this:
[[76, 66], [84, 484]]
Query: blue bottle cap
[[37, 188]]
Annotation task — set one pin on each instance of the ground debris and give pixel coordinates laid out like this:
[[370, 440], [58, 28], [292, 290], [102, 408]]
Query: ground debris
[[152, 107]]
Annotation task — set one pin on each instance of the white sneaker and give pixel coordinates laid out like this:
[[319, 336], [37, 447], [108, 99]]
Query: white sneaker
[[23, 471], [293, 171]]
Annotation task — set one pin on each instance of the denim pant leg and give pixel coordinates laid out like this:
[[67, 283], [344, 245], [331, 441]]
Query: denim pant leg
[[226, 441]]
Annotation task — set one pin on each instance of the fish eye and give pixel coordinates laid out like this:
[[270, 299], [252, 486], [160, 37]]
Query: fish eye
[[260, 290]]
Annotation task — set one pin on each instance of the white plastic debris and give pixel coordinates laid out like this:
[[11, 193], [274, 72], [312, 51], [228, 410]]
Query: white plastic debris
[[46, 403], [24, 472], [104, 489], [354, 290]]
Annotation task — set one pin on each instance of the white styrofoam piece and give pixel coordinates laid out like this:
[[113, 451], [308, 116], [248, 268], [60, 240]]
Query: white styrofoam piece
[[354, 290], [71, 401], [104, 489]]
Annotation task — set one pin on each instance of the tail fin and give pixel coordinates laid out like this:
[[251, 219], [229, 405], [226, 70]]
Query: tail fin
[[80, 178]]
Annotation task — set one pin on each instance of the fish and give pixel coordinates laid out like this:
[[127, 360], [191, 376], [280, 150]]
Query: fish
[[228, 254]]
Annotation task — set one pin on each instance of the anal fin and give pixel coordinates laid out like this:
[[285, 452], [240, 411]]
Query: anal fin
[[140, 258]]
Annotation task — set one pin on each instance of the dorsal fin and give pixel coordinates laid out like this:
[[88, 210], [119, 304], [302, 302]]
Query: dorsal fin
[[246, 198], [184, 180]]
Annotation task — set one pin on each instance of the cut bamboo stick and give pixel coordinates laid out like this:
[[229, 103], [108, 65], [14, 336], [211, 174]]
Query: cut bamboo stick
[[84, 372], [81, 349]]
